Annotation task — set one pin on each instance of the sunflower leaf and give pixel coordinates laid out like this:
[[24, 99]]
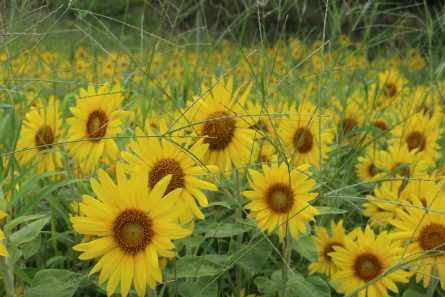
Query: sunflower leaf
[[306, 247], [29, 232], [196, 266], [54, 282], [226, 229], [324, 210]]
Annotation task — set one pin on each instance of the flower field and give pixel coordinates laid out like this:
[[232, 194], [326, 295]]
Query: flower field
[[136, 162]]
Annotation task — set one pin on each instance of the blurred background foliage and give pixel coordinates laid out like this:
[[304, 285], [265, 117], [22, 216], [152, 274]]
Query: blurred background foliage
[[376, 22]]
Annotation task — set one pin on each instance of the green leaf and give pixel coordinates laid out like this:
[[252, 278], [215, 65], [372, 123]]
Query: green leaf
[[25, 189], [311, 287], [44, 194], [20, 220], [29, 232], [23, 275], [306, 247], [226, 229], [54, 282], [196, 266], [31, 248], [412, 293], [253, 261], [219, 203], [201, 287], [267, 286], [324, 210]]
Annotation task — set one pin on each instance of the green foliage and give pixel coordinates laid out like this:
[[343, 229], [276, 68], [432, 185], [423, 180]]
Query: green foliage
[[54, 282]]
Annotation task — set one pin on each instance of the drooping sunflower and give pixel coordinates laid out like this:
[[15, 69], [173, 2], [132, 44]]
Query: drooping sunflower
[[325, 244], [97, 118], [420, 132], [383, 202], [280, 198], [134, 226], [220, 118], [3, 250], [424, 232], [301, 136], [160, 157], [41, 130], [359, 262]]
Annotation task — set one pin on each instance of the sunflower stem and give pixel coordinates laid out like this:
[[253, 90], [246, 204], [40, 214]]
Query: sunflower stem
[[287, 253], [151, 292], [7, 276], [434, 281], [239, 237], [54, 231]]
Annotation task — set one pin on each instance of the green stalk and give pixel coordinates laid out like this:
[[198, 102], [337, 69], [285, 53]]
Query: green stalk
[[239, 237], [7, 276], [287, 253]]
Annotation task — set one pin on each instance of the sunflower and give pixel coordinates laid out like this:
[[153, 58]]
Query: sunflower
[[97, 118], [134, 226], [160, 157], [361, 261], [268, 151], [218, 117], [349, 117], [388, 91], [3, 250], [366, 167], [421, 133], [381, 122], [399, 162], [426, 190], [383, 202], [301, 137], [422, 99], [280, 198], [261, 119], [424, 232], [325, 244], [40, 132]]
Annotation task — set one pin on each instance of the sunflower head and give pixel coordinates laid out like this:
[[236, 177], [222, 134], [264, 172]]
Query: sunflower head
[[362, 262], [280, 198], [133, 227]]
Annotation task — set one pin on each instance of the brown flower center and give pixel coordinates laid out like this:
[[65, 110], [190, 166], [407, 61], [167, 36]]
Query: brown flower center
[[416, 139], [44, 138], [163, 167], [97, 124], [401, 169], [303, 140], [372, 170], [348, 125], [132, 231], [219, 131], [381, 125], [389, 90], [329, 248], [367, 266], [260, 126], [280, 198], [432, 237]]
